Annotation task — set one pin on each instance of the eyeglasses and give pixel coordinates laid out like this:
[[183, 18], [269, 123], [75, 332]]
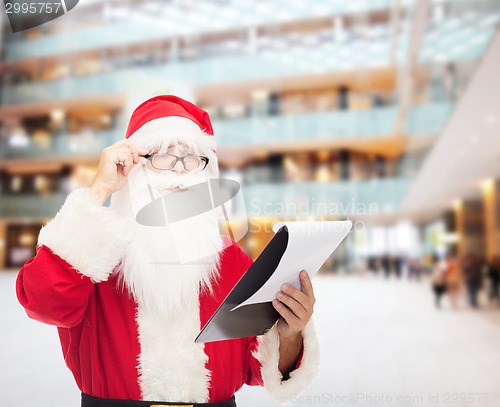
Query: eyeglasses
[[168, 161]]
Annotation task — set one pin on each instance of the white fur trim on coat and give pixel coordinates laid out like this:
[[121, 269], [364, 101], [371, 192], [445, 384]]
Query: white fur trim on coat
[[300, 379], [89, 236], [171, 365]]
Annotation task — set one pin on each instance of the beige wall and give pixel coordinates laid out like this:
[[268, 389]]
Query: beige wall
[[491, 202], [469, 218], [3, 243]]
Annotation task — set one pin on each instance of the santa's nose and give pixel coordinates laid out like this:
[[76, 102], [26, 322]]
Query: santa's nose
[[179, 168]]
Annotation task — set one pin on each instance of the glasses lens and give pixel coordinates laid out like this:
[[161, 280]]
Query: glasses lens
[[164, 161], [167, 162], [191, 162]]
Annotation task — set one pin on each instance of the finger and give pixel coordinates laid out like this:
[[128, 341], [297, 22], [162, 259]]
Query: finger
[[305, 284], [125, 160], [135, 154], [120, 160], [140, 150], [122, 143], [293, 305], [299, 296], [120, 157], [290, 318], [118, 154], [128, 164]]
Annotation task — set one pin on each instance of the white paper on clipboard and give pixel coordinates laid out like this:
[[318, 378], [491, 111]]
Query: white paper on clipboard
[[309, 245]]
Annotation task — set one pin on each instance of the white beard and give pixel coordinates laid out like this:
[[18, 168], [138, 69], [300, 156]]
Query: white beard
[[166, 266]]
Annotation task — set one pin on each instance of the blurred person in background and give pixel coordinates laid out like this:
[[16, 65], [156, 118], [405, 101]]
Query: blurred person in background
[[129, 298], [454, 279], [386, 264], [65, 181], [414, 269], [438, 280], [450, 81], [371, 263], [473, 276], [398, 266], [493, 274]]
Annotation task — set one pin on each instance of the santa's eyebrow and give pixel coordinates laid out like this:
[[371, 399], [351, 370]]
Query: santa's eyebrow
[[162, 148], [159, 149], [184, 148]]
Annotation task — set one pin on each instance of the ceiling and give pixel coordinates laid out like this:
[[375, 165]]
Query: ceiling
[[467, 153]]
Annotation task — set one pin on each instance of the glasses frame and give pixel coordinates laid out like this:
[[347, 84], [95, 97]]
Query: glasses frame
[[181, 158]]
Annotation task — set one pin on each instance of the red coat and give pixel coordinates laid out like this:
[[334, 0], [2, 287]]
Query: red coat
[[104, 344]]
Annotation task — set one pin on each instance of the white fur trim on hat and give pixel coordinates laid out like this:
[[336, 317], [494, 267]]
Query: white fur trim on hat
[[168, 124], [89, 236], [283, 392]]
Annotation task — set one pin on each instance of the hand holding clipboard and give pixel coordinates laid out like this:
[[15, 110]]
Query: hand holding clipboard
[[247, 310]]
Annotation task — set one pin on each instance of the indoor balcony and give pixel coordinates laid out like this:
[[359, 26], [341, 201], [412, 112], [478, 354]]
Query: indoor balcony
[[131, 25], [57, 146], [342, 199], [258, 131], [338, 200], [424, 119], [31, 205]]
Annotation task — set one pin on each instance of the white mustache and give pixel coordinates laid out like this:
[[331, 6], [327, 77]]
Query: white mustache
[[160, 182]]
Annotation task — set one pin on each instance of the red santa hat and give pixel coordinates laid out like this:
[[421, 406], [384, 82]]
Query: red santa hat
[[167, 119], [159, 112]]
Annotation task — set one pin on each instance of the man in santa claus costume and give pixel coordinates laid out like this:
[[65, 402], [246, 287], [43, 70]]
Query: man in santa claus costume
[[129, 299]]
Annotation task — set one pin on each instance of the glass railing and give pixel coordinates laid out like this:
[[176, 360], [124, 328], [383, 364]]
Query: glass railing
[[463, 37], [424, 119], [428, 118], [62, 145], [328, 200], [144, 26], [343, 199], [260, 131], [135, 25], [32, 205], [257, 130], [303, 61], [441, 44], [66, 89]]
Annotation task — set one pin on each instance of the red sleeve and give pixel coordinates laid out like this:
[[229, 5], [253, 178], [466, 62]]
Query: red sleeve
[[254, 377], [51, 291]]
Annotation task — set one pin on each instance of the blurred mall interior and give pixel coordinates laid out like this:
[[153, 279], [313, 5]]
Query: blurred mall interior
[[382, 112], [385, 112]]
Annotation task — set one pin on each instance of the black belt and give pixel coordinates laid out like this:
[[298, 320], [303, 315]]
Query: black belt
[[90, 401]]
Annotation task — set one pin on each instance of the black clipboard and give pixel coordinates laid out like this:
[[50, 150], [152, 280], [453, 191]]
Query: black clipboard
[[285, 250], [253, 319]]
